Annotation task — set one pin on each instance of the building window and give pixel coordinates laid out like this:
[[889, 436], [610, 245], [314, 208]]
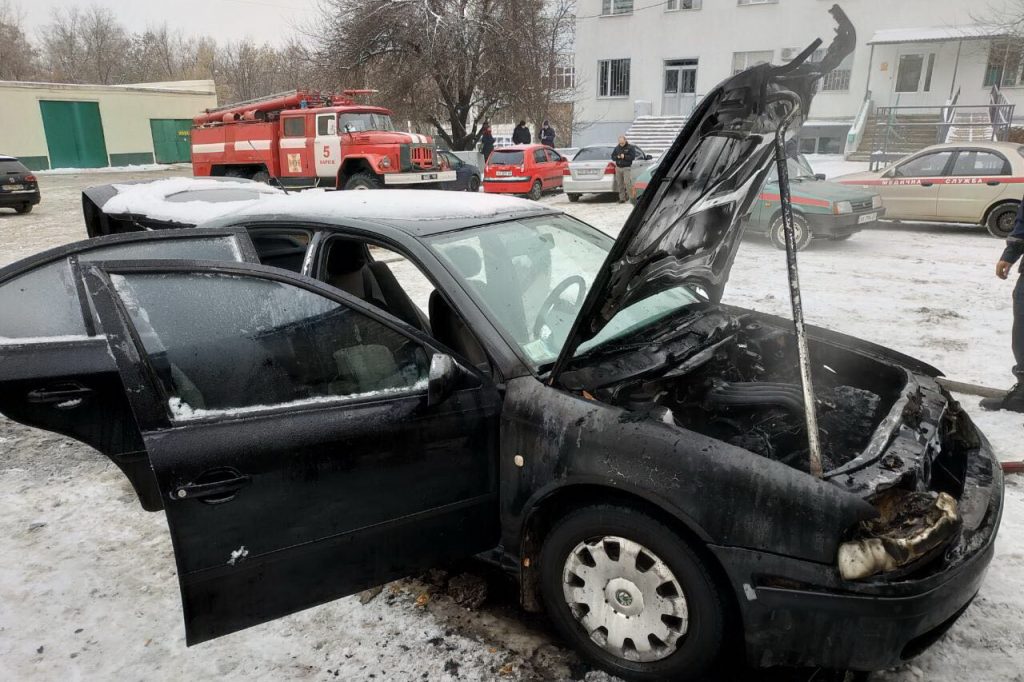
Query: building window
[[565, 78], [741, 61], [673, 5], [613, 78], [1005, 63], [610, 7], [756, 2], [837, 80]]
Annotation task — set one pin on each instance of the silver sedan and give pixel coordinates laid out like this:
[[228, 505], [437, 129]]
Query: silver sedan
[[591, 171]]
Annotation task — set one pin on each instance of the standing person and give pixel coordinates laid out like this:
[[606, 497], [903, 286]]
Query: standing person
[[486, 141], [623, 155], [1014, 398], [521, 134], [547, 134]]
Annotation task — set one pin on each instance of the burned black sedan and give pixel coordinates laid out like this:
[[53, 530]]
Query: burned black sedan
[[328, 391]]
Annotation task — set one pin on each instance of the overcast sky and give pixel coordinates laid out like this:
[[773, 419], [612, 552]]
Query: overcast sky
[[262, 20]]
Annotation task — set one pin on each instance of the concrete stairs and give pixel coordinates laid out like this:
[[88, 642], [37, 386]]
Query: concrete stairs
[[655, 134], [901, 141], [958, 132]]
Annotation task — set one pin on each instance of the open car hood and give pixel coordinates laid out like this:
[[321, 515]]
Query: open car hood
[[687, 226]]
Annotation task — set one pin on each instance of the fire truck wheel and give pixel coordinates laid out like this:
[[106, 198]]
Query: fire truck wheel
[[261, 176], [535, 191], [363, 181]]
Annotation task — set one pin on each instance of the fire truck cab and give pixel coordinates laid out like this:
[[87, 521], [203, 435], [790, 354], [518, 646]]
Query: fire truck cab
[[308, 139]]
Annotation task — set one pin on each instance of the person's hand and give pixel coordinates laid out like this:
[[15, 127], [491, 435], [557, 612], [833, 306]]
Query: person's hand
[[1003, 269]]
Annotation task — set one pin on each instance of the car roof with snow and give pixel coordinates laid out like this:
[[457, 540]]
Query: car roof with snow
[[415, 211]]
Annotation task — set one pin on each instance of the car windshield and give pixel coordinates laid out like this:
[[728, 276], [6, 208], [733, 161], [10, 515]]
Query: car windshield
[[594, 154], [531, 276], [355, 122], [799, 169], [506, 157]]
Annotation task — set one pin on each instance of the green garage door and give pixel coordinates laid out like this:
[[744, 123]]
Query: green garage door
[[172, 139], [74, 134]]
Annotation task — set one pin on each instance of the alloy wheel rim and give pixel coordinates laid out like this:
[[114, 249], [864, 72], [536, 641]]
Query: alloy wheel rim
[[626, 598], [1006, 221]]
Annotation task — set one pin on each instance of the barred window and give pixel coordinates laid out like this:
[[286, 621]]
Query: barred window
[[837, 80], [1005, 66], [613, 78], [672, 5], [609, 7]]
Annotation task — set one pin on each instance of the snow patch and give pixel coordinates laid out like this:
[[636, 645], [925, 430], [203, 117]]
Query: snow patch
[[140, 168], [150, 199], [238, 555]]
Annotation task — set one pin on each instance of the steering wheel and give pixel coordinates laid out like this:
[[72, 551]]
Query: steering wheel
[[555, 298]]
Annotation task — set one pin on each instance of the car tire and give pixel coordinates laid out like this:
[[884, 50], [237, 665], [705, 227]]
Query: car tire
[[682, 648], [261, 176], [573, 196], [363, 181], [24, 208], [474, 184], [536, 190], [1000, 221], [777, 235]]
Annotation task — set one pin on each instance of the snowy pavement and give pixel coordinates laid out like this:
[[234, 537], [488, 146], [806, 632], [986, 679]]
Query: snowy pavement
[[87, 579]]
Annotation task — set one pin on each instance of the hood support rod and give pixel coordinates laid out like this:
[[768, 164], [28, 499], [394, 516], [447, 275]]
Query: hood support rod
[[810, 406]]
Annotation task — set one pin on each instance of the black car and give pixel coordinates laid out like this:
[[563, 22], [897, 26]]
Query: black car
[[581, 411], [19, 188], [467, 175]]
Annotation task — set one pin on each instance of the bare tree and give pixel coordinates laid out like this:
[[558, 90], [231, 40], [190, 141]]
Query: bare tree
[[85, 46], [17, 56]]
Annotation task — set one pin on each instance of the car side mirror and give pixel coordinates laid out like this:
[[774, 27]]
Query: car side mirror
[[442, 379], [819, 176]]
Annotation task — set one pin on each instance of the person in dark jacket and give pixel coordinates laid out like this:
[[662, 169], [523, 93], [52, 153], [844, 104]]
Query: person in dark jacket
[[521, 134], [486, 141], [1014, 398], [623, 155], [547, 134]]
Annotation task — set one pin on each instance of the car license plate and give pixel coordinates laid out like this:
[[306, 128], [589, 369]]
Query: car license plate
[[867, 218], [12, 188], [428, 176], [589, 171], [503, 174]]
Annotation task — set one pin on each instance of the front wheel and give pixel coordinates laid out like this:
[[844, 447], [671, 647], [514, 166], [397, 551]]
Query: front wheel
[[801, 230], [24, 208], [363, 181], [631, 596], [573, 197], [535, 191], [1000, 221]]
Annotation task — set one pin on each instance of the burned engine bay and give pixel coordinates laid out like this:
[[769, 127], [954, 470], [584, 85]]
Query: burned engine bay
[[736, 379]]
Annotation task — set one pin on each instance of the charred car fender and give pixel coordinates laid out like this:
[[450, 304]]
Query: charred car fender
[[552, 440]]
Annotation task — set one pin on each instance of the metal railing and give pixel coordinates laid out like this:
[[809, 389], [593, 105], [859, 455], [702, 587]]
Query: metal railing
[[894, 131]]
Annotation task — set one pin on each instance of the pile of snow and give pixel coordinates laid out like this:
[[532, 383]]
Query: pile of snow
[[140, 168], [151, 199], [834, 165]]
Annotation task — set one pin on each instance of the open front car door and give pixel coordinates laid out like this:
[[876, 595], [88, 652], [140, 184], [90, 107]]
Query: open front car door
[[305, 444]]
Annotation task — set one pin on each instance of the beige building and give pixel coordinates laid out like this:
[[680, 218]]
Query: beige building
[[54, 125]]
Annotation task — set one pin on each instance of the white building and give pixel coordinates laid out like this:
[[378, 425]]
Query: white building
[[642, 57]]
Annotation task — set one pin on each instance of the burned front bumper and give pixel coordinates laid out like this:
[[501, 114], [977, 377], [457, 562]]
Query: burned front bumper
[[803, 613]]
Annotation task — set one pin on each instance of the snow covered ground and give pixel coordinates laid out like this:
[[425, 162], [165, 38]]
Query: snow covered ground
[[87, 579]]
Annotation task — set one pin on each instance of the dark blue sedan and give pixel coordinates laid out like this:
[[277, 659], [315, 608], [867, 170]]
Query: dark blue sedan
[[467, 175]]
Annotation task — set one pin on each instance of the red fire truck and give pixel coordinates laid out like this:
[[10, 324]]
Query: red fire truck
[[306, 139]]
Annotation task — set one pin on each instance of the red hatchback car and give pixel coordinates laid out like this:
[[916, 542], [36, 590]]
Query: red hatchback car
[[528, 169]]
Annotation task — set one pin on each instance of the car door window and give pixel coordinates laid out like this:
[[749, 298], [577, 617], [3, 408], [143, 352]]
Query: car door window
[[243, 343], [44, 301], [538, 156], [925, 166], [978, 162], [554, 156], [285, 249]]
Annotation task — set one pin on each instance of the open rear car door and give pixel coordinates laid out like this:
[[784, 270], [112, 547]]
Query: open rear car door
[[56, 371], [305, 444]]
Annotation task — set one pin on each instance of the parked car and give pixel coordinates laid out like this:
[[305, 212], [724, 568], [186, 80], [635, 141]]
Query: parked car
[[592, 171], [19, 188], [528, 169], [169, 203], [821, 209], [467, 175], [975, 182], [574, 407]]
